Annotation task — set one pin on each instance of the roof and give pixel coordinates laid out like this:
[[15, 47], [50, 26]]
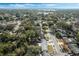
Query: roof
[[74, 48]]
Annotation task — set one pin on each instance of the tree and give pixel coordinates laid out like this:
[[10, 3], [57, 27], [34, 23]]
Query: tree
[[1, 18], [45, 27], [64, 25], [58, 35], [50, 23], [20, 51], [24, 40], [77, 36], [10, 27], [33, 50], [6, 48], [31, 36], [5, 37]]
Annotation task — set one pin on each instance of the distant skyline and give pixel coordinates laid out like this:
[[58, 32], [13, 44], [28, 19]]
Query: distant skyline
[[39, 6]]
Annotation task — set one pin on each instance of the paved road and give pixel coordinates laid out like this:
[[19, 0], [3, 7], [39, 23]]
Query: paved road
[[45, 53], [54, 41], [44, 47], [57, 47], [43, 43]]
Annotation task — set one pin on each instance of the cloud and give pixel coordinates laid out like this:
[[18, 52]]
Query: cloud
[[50, 5], [25, 5], [17, 5], [32, 5], [39, 5]]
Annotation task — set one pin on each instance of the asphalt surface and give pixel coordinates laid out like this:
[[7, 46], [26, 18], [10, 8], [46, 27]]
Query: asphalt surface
[[57, 47], [53, 40], [43, 43]]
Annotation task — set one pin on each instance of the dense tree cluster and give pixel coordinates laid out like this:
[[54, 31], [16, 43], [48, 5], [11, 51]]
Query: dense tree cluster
[[23, 41]]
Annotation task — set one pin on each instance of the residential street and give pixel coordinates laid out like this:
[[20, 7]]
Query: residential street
[[53, 39], [43, 43]]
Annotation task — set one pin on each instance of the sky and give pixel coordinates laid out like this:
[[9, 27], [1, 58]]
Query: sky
[[39, 5]]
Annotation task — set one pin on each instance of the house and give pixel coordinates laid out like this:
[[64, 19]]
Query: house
[[75, 25], [62, 32], [74, 48], [69, 40]]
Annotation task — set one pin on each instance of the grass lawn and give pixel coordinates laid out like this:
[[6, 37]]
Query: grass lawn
[[50, 49]]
